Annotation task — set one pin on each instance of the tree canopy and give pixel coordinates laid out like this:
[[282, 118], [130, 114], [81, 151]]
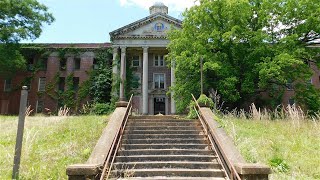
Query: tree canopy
[[19, 20], [248, 47]]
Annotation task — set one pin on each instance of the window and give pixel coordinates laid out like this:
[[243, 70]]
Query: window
[[95, 64], [43, 64], [75, 83], [7, 85], [39, 107], [42, 84], [158, 60], [135, 61], [77, 62], [136, 81], [158, 80], [62, 82], [289, 85], [63, 64], [30, 65]]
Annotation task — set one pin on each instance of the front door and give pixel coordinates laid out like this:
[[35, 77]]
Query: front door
[[159, 106]]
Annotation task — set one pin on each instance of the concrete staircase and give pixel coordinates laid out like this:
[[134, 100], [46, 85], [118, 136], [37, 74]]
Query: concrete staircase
[[162, 147]]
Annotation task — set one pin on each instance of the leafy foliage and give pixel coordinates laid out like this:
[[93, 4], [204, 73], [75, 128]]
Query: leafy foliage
[[19, 19], [248, 47]]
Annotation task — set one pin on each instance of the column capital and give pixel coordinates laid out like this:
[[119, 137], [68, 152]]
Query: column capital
[[145, 48], [123, 49], [115, 49]]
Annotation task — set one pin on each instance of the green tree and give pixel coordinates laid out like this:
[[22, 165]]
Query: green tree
[[19, 20], [248, 47]]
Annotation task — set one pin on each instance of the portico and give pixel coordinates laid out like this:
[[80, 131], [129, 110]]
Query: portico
[[142, 46]]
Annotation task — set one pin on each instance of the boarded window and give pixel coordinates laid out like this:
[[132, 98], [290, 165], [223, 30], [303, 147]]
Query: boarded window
[[42, 84]]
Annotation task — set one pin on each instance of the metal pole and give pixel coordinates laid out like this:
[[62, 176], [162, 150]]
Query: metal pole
[[201, 70], [18, 147]]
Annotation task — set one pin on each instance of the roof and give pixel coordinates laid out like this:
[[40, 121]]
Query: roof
[[67, 45], [135, 25]]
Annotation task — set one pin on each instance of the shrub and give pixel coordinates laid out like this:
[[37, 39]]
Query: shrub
[[203, 100], [101, 108]]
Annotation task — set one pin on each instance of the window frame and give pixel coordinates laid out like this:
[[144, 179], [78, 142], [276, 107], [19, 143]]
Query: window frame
[[158, 60], [139, 60], [154, 82], [138, 75], [75, 59]]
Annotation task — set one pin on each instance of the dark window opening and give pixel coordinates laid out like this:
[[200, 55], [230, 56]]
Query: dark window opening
[[95, 64], [75, 83], [30, 66], [39, 108], [43, 64], [7, 85], [77, 62], [62, 83], [63, 64]]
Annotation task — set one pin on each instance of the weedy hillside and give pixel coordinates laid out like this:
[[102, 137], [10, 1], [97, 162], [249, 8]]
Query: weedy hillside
[[49, 144]]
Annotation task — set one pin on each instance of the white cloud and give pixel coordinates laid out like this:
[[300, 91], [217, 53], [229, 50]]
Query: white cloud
[[174, 5]]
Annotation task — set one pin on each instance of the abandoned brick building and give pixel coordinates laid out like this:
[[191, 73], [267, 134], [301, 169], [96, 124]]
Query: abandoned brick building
[[142, 43]]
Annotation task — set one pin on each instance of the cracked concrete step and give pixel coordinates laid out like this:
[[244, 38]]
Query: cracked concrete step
[[163, 132], [163, 136], [163, 128], [164, 141], [145, 158], [165, 152], [147, 123], [164, 146], [169, 172], [167, 164]]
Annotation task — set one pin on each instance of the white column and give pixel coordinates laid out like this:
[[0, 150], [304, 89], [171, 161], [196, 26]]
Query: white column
[[145, 81], [122, 73], [115, 70], [114, 61], [173, 79]]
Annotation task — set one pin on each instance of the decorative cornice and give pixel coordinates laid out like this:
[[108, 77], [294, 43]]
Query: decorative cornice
[[135, 25]]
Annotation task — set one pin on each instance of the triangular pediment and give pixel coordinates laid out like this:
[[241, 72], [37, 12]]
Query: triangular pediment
[[153, 26]]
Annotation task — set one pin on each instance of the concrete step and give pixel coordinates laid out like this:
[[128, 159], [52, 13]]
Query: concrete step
[[165, 152], [163, 132], [168, 173], [167, 164], [148, 123], [163, 146], [153, 117], [161, 120], [170, 178], [163, 128], [164, 141], [163, 136], [145, 158]]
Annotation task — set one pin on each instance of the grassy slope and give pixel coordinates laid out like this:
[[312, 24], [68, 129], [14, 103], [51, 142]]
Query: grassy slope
[[295, 143], [49, 145]]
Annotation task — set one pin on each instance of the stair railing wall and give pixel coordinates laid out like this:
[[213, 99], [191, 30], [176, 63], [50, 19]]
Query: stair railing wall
[[116, 143], [216, 145]]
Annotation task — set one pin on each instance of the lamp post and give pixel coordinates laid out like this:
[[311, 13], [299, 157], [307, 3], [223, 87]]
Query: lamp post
[[201, 72]]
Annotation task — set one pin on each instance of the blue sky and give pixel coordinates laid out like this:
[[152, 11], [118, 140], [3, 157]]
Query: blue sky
[[90, 21]]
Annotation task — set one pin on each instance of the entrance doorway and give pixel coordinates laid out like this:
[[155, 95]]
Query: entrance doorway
[[159, 106]]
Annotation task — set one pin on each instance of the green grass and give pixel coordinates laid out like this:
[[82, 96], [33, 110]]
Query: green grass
[[50, 144], [291, 148]]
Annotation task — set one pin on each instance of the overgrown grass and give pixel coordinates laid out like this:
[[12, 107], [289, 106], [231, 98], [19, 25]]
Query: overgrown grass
[[291, 147], [49, 144]]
